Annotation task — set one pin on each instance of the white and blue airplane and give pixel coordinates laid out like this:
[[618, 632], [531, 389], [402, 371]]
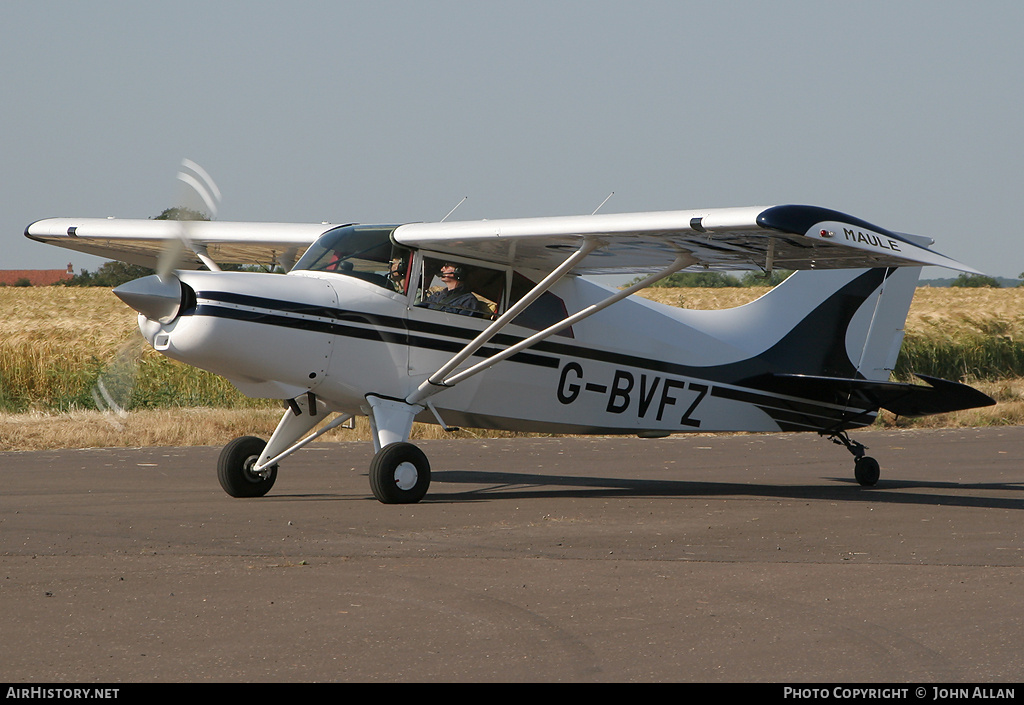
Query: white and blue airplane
[[495, 324]]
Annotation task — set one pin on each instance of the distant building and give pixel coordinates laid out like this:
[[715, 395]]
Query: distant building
[[35, 277]]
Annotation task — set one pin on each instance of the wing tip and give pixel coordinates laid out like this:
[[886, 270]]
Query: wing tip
[[798, 219], [802, 219]]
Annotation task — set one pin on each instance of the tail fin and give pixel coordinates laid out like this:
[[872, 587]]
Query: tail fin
[[854, 331], [842, 351], [845, 323]]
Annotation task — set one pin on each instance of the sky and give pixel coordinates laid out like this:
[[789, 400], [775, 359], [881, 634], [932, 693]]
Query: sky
[[904, 114]]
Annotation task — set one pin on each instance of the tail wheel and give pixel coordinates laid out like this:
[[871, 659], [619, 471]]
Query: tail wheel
[[234, 468], [399, 474], [866, 470]]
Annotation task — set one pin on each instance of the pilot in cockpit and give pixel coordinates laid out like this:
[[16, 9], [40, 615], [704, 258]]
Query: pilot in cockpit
[[455, 297]]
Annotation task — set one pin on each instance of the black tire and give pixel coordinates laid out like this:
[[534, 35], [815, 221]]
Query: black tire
[[867, 471], [399, 474], [234, 468]]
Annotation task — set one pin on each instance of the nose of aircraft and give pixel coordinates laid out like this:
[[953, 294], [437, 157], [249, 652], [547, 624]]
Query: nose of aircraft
[[155, 298]]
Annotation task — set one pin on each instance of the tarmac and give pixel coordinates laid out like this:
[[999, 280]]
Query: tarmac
[[740, 559]]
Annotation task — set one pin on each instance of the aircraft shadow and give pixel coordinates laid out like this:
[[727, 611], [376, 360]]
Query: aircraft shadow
[[506, 485]]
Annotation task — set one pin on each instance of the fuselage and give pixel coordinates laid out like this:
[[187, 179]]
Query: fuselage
[[637, 367]]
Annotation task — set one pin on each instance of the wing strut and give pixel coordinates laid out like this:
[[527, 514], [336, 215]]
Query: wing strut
[[426, 389], [444, 378], [204, 256]]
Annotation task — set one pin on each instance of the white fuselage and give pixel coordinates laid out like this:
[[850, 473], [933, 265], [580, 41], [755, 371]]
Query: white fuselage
[[637, 367]]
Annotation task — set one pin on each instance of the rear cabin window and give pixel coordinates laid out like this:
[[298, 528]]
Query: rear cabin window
[[542, 313]]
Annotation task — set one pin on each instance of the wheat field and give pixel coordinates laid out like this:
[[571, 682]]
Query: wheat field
[[934, 311], [55, 340]]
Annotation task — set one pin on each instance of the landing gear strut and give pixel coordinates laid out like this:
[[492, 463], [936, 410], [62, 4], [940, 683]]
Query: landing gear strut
[[399, 472], [865, 468]]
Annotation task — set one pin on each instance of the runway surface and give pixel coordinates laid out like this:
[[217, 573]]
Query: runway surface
[[707, 558]]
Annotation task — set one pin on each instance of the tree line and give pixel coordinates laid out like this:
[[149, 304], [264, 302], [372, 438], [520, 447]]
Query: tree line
[[112, 274]]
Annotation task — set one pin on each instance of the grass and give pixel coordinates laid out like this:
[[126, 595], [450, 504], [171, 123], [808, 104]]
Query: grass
[[55, 342], [195, 426]]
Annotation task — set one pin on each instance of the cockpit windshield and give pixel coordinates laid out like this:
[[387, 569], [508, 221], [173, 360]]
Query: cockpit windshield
[[361, 251]]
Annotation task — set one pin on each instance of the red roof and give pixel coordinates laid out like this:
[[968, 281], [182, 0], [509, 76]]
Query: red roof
[[36, 277]]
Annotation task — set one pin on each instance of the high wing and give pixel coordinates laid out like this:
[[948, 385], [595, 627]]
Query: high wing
[[777, 237], [766, 238], [143, 242]]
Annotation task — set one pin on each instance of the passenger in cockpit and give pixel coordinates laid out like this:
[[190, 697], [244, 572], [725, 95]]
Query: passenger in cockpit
[[396, 273]]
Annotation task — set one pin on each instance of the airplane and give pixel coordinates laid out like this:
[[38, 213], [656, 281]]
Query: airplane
[[366, 321]]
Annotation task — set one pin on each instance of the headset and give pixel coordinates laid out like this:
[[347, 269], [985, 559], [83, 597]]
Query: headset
[[457, 273]]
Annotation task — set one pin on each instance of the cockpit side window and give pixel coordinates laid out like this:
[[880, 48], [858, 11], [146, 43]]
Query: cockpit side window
[[361, 251], [478, 291]]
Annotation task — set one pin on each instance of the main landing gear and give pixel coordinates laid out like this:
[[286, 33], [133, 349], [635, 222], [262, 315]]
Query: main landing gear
[[399, 471], [865, 468], [399, 474]]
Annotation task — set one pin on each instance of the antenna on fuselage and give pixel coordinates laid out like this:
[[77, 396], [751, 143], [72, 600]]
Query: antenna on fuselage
[[603, 202], [453, 209]]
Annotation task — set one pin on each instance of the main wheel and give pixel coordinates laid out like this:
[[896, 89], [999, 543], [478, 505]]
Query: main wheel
[[866, 470], [234, 468], [399, 474]]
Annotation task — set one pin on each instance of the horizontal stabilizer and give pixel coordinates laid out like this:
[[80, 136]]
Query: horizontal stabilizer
[[939, 397]]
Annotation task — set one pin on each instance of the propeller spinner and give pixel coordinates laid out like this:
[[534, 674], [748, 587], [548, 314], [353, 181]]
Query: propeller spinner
[[156, 298], [162, 296]]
